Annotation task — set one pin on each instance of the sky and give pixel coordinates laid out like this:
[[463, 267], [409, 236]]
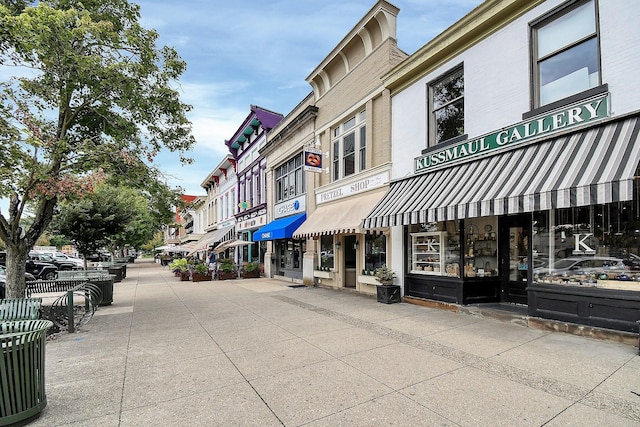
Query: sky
[[256, 52]]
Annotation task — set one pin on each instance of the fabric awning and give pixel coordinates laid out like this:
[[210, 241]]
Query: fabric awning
[[232, 244], [282, 228], [213, 237], [593, 166], [343, 216]]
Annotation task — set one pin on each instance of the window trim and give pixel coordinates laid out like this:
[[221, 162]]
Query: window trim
[[550, 16], [339, 133], [431, 120], [284, 175]]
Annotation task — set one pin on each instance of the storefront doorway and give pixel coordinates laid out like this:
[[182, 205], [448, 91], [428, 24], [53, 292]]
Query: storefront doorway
[[350, 251], [514, 250]]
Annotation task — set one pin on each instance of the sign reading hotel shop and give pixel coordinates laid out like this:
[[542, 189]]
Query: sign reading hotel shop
[[591, 110], [359, 186]]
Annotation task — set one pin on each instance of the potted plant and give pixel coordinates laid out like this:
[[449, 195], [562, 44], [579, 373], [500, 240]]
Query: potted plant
[[180, 267], [227, 269], [200, 273], [386, 291], [251, 270]]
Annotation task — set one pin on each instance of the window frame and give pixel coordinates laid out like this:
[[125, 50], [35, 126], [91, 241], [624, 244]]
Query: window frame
[[289, 181], [432, 122], [353, 127], [548, 18]]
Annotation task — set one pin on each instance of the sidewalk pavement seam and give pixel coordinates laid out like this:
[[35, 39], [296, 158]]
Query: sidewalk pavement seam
[[576, 394]]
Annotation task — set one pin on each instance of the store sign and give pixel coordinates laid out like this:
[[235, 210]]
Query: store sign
[[512, 136], [360, 186], [312, 159], [290, 207], [581, 247], [251, 223]]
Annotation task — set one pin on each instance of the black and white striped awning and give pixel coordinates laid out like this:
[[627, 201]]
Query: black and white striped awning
[[592, 166]]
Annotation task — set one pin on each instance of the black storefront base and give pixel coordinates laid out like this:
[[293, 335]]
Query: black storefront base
[[452, 289], [604, 308]]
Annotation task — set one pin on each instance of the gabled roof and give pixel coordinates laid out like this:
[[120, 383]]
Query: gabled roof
[[258, 117]]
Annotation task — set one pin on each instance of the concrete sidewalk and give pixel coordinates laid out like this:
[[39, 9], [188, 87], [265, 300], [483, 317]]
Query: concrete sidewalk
[[258, 353]]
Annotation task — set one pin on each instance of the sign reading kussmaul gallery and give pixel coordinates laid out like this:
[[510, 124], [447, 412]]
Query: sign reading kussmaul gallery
[[588, 111]]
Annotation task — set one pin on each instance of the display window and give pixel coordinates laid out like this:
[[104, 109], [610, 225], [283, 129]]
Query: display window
[[434, 249], [375, 251], [481, 247], [597, 246], [326, 252]]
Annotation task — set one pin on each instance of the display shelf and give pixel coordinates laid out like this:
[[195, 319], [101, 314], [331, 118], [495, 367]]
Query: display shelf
[[481, 255], [428, 252]]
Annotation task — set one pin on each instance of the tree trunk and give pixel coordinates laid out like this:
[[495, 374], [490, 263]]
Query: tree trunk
[[16, 266]]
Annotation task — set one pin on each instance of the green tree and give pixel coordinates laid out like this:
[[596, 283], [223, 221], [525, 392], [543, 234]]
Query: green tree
[[91, 94], [93, 222]]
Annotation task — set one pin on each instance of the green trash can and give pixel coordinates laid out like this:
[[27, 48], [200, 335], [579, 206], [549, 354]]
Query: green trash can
[[22, 394]]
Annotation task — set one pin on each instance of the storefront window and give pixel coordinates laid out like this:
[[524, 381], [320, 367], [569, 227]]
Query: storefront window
[[434, 249], [481, 247], [375, 251], [326, 251], [588, 246]]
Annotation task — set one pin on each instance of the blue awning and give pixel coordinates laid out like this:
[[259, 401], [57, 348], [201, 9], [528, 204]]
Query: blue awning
[[282, 228]]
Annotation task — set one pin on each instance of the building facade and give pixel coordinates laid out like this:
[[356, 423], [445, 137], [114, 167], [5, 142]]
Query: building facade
[[352, 144], [519, 185], [287, 183], [251, 167]]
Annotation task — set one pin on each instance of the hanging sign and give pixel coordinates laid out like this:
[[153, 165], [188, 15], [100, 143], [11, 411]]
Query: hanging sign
[[312, 160]]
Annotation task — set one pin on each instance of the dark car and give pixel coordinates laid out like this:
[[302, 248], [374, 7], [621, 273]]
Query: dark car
[[99, 257], [41, 270], [3, 280], [62, 264]]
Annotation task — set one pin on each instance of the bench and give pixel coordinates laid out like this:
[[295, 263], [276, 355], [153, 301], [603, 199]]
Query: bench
[[20, 309], [64, 312]]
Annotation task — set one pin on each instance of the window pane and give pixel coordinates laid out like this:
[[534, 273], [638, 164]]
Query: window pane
[[349, 143], [349, 123], [569, 72], [363, 149], [375, 251], [349, 165], [566, 29], [449, 121], [349, 162], [326, 251], [448, 89]]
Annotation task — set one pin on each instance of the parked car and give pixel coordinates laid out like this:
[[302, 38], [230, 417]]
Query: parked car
[[99, 256], [63, 264], [66, 258], [3, 280], [581, 265], [41, 270]]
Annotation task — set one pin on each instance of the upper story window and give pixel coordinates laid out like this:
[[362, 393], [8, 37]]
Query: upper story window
[[350, 146], [565, 46], [446, 96], [290, 179]]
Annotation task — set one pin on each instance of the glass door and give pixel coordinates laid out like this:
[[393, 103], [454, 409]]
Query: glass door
[[515, 247]]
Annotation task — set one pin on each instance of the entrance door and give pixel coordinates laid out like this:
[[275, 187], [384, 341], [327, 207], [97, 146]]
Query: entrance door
[[514, 257], [350, 261]]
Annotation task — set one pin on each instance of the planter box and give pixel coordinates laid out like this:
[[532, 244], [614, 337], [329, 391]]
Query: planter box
[[388, 294], [323, 274], [369, 280], [227, 275], [251, 274], [200, 277], [184, 277]]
